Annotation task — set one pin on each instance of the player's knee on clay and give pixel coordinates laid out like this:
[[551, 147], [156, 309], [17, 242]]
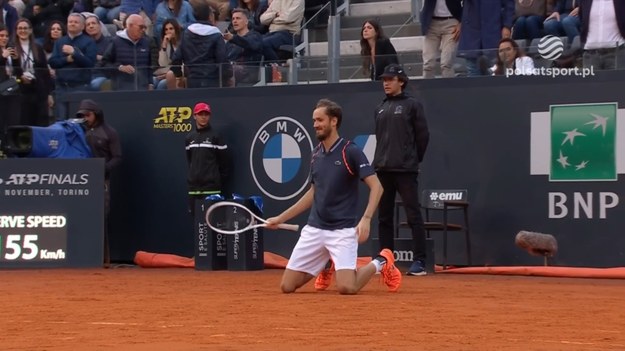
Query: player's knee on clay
[[288, 287], [346, 289]]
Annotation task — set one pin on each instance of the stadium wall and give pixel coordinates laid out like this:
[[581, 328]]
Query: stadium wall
[[497, 137]]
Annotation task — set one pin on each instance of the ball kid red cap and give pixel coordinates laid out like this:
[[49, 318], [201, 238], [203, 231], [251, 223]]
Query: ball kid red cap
[[201, 107]]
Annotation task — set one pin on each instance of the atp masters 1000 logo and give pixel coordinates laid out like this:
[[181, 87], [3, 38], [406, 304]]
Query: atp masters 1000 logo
[[280, 158], [175, 118]]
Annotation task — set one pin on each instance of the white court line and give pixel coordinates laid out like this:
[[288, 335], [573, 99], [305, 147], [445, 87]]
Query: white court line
[[114, 323]]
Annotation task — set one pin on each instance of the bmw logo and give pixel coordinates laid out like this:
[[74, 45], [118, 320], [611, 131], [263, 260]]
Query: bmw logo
[[280, 158]]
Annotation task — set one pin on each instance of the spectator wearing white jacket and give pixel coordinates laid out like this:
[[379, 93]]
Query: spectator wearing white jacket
[[511, 60]]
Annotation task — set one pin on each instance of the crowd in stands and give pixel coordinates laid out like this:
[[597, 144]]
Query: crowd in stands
[[593, 30], [53, 47]]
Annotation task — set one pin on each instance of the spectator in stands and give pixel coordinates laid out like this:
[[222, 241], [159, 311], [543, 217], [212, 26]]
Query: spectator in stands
[[511, 60], [35, 82], [603, 33], [108, 10], [9, 64], [483, 26], [222, 9], [529, 20], [144, 8], [55, 31], [8, 16], [170, 39], [42, 12], [73, 57], [180, 10], [564, 20], [19, 6], [83, 6], [203, 52], [93, 28], [440, 23], [128, 57], [376, 50], [244, 48], [284, 18], [237, 3], [255, 9]]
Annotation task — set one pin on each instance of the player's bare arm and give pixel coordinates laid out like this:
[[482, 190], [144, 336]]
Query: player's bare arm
[[375, 193], [303, 204]]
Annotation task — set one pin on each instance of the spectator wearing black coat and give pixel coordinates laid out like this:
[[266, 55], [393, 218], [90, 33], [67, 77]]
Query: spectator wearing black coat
[[244, 48], [376, 50]]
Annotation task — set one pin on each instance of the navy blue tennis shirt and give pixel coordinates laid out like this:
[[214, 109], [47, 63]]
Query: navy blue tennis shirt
[[335, 174]]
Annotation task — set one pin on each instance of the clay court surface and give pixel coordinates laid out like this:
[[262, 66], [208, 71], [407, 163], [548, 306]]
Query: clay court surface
[[183, 309]]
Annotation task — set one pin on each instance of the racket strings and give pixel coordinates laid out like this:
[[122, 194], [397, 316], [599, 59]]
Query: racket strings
[[230, 218]]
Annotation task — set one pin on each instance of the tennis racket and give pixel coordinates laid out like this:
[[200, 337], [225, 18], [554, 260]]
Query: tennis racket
[[228, 217]]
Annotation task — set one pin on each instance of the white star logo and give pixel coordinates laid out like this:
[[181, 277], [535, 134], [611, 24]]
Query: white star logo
[[599, 121], [563, 160], [570, 136], [581, 165]]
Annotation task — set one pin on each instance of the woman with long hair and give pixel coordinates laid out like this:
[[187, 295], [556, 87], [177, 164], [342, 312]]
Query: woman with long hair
[[55, 30], [376, 50], [180, 10], [170, 38], [255, 8], [35, 82], [9, 63], [511, 60]]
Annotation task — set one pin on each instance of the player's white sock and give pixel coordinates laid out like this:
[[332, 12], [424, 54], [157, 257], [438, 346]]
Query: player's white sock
[[379, 264]]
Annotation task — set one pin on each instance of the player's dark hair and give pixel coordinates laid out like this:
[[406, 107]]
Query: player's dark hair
[[332, 109]]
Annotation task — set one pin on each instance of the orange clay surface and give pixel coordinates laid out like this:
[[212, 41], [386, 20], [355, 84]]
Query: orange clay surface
[[183, 309]]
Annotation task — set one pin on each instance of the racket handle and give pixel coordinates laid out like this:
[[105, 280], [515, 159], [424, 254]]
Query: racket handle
[[291, 227]]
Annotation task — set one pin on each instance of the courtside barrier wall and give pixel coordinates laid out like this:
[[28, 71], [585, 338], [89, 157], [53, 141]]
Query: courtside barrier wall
[[502, 139]]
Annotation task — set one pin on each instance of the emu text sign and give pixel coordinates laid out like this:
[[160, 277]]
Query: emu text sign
[[51, 212]]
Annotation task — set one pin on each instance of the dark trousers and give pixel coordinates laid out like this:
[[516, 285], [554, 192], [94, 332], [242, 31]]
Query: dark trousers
[[61, 91], [407, 185], [195, 83], [34, 109], [10, 108]]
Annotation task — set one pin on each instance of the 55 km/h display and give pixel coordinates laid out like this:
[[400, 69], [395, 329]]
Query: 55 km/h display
[[33, 238]]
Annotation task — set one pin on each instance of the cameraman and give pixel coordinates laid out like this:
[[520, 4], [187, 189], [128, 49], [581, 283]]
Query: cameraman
[[104, 143]]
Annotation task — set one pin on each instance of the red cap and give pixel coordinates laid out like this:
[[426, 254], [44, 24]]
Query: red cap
[[201, 107]]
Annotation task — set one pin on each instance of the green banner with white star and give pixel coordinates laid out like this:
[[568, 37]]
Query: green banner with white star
[[583, 142]]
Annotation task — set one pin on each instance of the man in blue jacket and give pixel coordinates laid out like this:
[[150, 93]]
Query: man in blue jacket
[[440, 23], [73, 57], [484, 23], [8, 16]]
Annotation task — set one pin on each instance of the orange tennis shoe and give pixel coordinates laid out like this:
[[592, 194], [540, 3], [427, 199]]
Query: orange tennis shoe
[[324, 278], [390, 274]]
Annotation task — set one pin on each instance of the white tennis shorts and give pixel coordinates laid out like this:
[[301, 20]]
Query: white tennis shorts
[[315, 246]]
